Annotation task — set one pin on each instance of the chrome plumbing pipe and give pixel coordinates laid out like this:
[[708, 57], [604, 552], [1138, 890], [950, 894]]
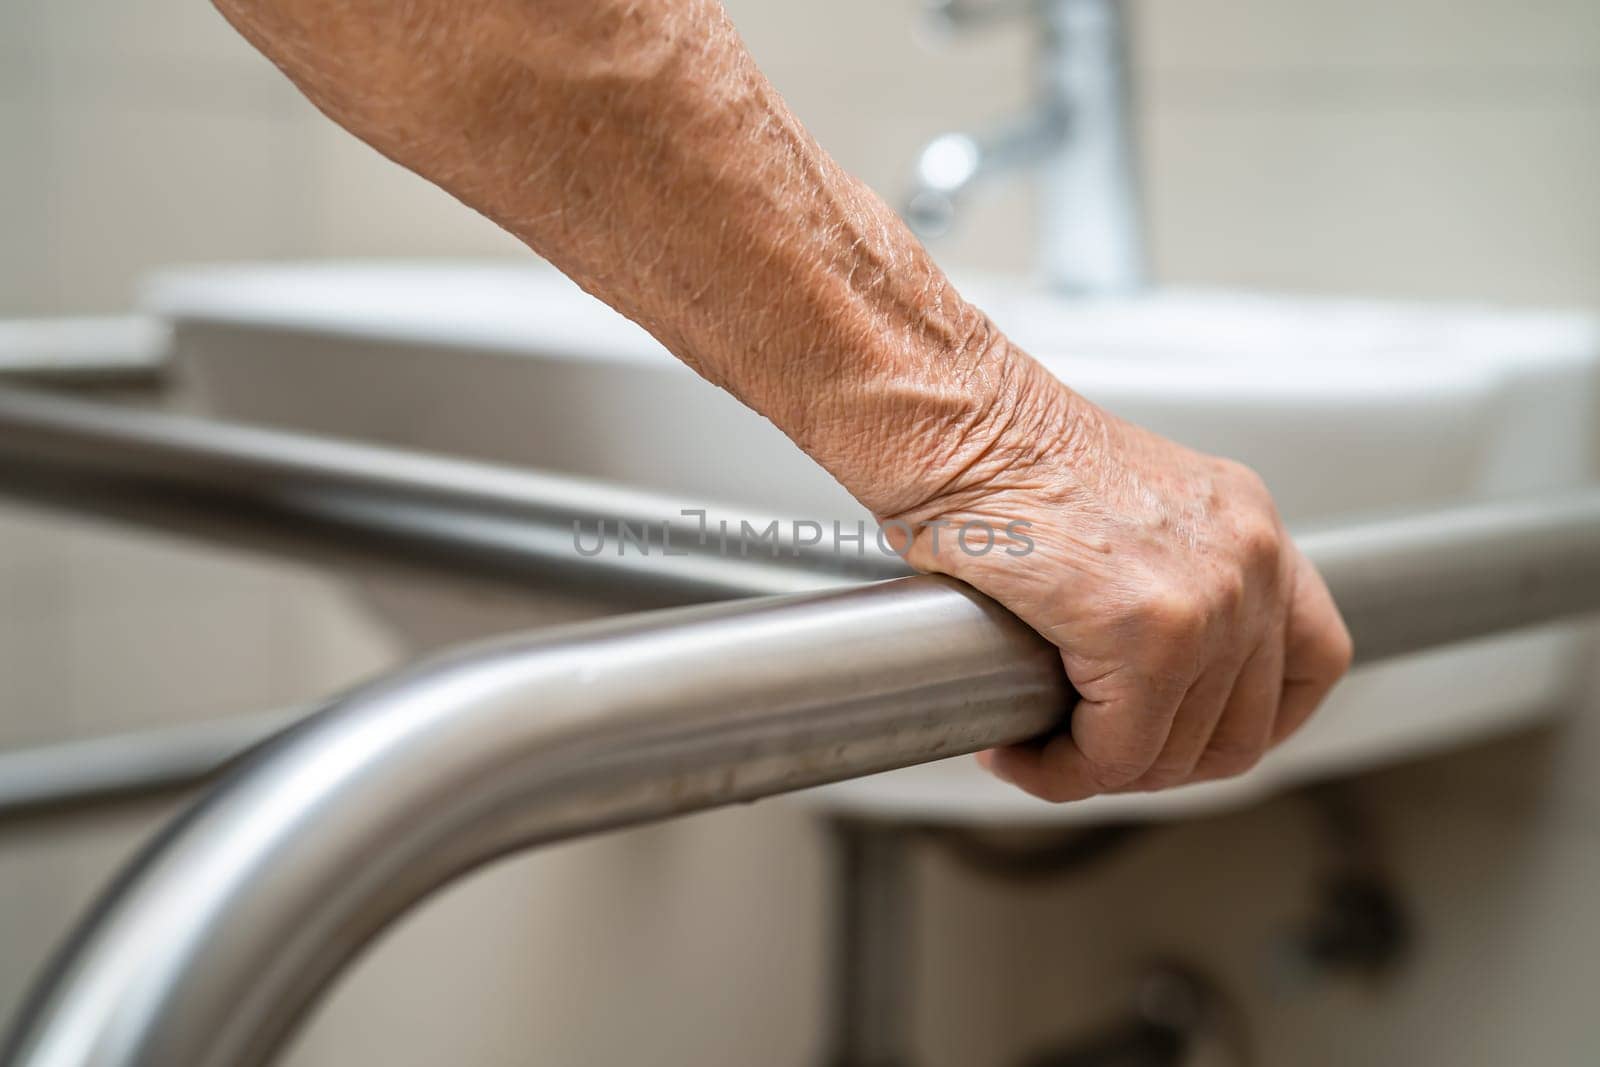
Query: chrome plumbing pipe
[[217, 939]]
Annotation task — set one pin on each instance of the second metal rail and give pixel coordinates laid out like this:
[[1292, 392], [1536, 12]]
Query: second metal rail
[[305, 496]]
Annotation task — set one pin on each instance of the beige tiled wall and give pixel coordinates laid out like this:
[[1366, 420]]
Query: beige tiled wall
[[1414, 148], [1417, 148], [1421, 148]]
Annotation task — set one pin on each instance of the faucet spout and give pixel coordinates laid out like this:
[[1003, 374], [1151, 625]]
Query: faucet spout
[[951, 164], [1078, 137]]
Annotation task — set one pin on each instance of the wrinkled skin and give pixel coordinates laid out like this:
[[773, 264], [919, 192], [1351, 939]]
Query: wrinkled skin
[[635, 145]]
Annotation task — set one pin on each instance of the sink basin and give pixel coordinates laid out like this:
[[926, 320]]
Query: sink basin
[[1347, 408]]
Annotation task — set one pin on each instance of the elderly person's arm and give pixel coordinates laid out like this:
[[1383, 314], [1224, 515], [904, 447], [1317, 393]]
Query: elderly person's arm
[[635, 145]]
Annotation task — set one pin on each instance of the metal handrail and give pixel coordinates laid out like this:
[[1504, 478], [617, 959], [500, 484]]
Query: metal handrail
[[212, 945], [74, 775], [421, 777], [113, 769], [354, 508], [306, 496]]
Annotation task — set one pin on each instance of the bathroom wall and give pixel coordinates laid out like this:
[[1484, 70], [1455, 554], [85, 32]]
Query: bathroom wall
[[1441, 149]]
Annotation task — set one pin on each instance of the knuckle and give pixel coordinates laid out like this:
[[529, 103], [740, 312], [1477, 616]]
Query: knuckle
[[1230, 591], [1257, 527], [1260, 544], [1247, 481], [1174, 615]]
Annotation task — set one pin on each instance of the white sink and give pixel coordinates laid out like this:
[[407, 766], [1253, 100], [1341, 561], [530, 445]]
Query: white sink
[[1346, 408]]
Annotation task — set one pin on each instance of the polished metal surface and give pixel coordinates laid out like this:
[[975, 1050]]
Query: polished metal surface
[[311, 497], [1417, 581], [71, 775], [229, 925], [1077, 133], [212, 945], [1404, 584]]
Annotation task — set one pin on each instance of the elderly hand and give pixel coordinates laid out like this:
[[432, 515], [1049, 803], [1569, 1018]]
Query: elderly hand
[[1195, 632]]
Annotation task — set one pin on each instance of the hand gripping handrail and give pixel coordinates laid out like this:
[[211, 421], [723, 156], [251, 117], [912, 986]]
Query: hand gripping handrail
[[210, 947]]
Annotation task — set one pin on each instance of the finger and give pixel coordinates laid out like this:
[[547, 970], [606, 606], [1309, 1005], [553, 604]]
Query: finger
[[1113, 741], [1317, 651], [1053, 771], [1244, 732], [1192, 727]]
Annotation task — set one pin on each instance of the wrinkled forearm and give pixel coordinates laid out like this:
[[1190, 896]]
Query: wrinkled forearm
[[637, 147]]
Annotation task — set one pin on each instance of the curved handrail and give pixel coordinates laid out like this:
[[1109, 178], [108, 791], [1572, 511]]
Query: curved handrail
[[211, 946], [231, 923]]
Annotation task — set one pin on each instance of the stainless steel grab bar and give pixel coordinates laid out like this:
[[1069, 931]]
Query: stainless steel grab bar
[[210, 947], [72, 775], [410, 782], [115, 768], [358, 508], [314, 497]]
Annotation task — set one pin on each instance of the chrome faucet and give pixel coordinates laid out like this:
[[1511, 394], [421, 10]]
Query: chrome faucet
[[1077, 134]]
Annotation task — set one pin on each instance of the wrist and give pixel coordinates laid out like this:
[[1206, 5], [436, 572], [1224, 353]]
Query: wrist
[[951, 426]]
